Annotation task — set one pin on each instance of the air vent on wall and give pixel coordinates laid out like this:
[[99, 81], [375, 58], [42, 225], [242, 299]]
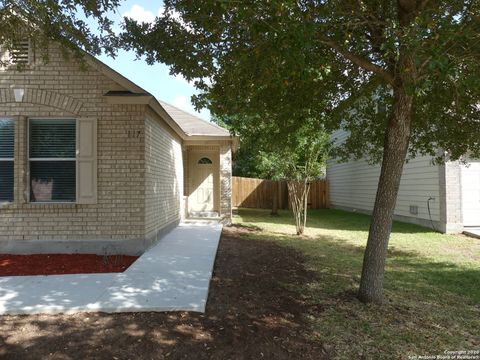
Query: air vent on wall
[[414, 209], [18, 55], [20, 52]]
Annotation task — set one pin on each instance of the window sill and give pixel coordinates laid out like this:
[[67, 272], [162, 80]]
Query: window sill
[[52, 203]]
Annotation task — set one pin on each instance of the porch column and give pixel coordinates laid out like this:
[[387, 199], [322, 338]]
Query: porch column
[[226, 182]]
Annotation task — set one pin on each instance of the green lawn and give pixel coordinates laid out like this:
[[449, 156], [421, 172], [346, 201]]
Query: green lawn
[[432, 285]]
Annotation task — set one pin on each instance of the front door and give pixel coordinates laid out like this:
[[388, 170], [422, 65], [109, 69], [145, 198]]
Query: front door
[[202, 195]]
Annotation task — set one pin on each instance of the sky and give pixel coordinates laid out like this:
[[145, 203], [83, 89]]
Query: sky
[[156, 78]]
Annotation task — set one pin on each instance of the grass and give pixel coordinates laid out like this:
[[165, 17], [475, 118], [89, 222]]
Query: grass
[[432, 285]]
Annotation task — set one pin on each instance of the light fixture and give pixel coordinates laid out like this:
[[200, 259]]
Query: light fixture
[[19, 93]]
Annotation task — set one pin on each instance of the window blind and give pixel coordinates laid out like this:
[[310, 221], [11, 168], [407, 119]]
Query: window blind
[[50, 139], [52, 152], [7, 140]]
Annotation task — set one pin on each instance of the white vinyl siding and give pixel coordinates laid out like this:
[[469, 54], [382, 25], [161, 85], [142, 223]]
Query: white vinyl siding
[[354, 184]]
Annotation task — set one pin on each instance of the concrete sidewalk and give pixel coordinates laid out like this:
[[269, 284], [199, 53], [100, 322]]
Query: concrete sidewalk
[[472, 231], [173, 275]]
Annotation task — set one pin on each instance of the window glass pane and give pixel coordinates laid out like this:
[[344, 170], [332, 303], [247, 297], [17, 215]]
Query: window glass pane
[[52, 139], [52, 181], [6, 180], [205, 161], [6, 138]]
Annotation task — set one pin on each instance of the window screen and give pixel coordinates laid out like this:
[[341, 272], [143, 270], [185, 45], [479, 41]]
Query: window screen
[[7, 139], [52, 156]]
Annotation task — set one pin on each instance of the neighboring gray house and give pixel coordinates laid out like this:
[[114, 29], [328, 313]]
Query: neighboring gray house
[[451, 191], [91, 162]]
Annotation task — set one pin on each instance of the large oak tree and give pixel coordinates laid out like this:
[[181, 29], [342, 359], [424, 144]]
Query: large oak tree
[[402, 76]]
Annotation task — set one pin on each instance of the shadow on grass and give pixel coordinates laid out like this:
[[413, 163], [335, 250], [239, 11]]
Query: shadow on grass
[[339, 265], [427, 301], [267, 295], [331, 219]]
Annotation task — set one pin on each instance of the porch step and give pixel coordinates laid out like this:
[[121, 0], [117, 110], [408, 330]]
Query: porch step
[[204, 214]]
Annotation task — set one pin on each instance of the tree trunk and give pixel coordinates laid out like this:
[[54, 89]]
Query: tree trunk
[[305, 203], [275, 198], [298, 196], [397, 136]]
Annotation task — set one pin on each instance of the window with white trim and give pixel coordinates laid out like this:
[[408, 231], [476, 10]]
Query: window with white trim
[[7, 140], [52, 160]]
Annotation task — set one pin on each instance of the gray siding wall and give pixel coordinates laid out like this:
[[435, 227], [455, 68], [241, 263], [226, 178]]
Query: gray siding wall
[[353, 186]]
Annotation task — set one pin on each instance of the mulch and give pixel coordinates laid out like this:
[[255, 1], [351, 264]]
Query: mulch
[[57, 264], [251, 314]]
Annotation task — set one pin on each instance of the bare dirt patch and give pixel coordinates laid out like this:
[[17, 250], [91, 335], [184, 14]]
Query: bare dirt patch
[[250, 315]]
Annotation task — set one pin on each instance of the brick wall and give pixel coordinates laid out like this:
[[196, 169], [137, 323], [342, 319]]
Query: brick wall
[[226, 182], [451, 197], [61, 89], [164, 175], [139, 161]]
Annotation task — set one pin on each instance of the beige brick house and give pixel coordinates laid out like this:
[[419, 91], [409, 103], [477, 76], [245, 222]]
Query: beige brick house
[[90, 162]]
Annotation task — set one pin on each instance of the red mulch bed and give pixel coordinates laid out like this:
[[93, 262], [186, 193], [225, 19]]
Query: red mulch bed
[[57, 264]]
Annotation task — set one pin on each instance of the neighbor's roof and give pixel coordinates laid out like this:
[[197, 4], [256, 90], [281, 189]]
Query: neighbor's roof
[[191, 124]]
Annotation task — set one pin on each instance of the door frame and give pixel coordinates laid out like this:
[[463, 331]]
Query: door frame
[[194, 155]]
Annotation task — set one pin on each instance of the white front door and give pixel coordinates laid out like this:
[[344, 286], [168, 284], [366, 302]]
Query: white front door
[[202, 198], [471, 194]]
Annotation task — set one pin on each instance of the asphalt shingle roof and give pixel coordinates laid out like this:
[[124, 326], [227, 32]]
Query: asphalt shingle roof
[[191, 124]]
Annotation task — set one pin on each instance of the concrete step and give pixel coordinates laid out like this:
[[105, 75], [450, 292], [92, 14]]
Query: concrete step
[[204, 214]]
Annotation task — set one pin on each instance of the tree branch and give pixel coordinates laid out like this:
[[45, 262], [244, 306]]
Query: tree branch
[[360, 61]]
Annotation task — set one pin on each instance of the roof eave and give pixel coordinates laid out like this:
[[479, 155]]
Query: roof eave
[[148, 99]]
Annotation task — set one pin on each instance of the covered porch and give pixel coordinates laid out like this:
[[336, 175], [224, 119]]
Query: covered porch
[[208, 180]]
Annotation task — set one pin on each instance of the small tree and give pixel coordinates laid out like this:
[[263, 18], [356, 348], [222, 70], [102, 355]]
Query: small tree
[[258, 155], [303, 162], [299, 158]]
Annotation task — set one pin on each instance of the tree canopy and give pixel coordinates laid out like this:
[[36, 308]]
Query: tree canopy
[[401, 76], [342, 63], [76, 25], [300, 59]]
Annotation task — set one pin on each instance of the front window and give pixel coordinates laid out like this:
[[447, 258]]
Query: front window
[[7, 140], [52, 159]]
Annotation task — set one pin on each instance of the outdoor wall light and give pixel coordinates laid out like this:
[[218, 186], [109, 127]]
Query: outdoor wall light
[[19, 93]]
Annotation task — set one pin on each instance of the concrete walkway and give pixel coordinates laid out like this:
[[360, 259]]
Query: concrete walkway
[[472, 231], [173, 275]]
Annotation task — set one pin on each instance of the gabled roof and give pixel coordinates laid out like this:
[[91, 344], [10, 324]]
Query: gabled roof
[[193, 125], [186, 125]]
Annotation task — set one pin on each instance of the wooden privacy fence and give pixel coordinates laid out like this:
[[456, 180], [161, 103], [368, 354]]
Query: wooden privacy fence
[[258, 193]]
